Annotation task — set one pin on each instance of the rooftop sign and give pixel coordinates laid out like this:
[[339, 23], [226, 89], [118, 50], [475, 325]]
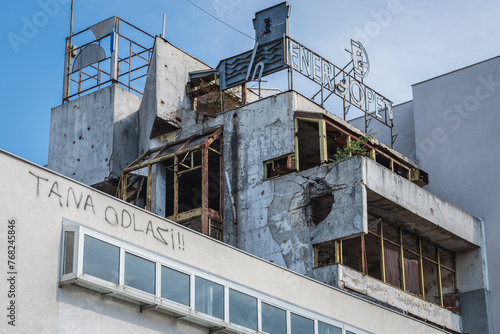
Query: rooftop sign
[[339, 81], [274, 51]]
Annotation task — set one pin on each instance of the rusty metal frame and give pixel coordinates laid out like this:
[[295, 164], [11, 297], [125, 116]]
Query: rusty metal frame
[[337, 71], [402, 249], [144, 55], [317, 117], [154, 157]]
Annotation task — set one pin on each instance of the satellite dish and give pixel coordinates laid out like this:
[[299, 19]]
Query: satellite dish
[[90, 54]]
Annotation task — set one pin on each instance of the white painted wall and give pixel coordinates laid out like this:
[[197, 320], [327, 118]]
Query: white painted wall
[[37, 199]]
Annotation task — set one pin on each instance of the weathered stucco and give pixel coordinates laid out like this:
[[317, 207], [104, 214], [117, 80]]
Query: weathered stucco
[[42, 304], [94, 137]]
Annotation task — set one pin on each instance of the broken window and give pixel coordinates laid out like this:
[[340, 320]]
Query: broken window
[[308, 139], [320, 140], [351, 253], [279, 166], [397, 257], [372, 255], [186, 182], [383, 160], [335, 141], [324, 253]]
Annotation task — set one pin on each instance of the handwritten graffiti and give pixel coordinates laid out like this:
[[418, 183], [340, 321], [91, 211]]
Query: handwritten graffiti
[[63, 197], [127, 220], [70, 198]]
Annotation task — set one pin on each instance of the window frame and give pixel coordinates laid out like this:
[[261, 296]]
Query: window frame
[[402, 249], [146, 300]]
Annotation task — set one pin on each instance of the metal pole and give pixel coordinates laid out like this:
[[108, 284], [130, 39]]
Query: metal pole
[[163, 28], [69, 51]]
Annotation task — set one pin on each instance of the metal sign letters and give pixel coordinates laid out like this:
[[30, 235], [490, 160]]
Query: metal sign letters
[[339, 81]]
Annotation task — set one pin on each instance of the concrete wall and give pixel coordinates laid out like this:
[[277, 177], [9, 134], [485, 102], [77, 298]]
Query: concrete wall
[[165, 101], [459, 229], [42, 306], [457, 141], [94, 137]]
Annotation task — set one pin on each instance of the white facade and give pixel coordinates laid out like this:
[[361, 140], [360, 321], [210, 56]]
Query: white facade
[[41, 204]]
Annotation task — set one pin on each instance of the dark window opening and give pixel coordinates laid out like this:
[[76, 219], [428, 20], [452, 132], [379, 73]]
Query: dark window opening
[[411, 264], [308, 139], [335, 141], [400, 170], [351, 253], [324, 253], [189, 190], [372, 254], [383, 160], [279, 166]]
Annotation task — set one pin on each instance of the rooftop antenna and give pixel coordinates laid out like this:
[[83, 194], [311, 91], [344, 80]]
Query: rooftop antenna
[[163, 27], [69, 51]]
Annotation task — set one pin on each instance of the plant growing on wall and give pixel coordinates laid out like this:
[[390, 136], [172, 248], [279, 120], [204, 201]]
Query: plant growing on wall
[[354, 148]]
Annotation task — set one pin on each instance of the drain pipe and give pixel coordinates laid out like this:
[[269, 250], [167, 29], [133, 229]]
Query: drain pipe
[[485, 257], [231, 196], [486, 278]]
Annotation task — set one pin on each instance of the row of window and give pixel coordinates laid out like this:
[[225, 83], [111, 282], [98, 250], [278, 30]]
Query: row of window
[[321, 141], [397, 257], [115, 266]]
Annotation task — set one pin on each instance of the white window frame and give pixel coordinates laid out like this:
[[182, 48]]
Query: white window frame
[[76, 276]]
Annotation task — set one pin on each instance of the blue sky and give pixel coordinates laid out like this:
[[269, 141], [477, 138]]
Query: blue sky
[[407, 42]]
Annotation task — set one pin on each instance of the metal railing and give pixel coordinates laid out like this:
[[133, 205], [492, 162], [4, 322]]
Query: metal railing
[[124, 63]]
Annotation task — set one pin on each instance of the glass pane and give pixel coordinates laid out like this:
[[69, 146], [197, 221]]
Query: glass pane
[[175, 286], [431, 282], [140, 273], [328, 329], [209, 298], [242, 309], [101, 259], [69, 249], [301, 325], [273, 319]]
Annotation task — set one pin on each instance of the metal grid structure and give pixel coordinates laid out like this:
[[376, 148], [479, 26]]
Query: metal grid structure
[[335, 80], [178, 159], [126, 61]]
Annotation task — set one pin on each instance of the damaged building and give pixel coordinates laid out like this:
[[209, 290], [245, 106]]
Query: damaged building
[[284, 216]]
